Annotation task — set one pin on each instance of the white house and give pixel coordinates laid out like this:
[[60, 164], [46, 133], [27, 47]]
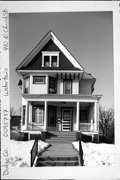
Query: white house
[[57, 93]]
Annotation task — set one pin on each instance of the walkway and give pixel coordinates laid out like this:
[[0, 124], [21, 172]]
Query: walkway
[[59, 154], [60, 150]]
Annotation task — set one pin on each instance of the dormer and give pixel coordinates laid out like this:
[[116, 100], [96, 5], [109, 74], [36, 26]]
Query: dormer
[[50, 59]]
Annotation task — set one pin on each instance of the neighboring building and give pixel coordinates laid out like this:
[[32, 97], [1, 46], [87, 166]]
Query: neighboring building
[[56, 91]]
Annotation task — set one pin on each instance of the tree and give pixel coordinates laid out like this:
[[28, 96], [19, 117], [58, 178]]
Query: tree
[[106, 124], [12, 111]]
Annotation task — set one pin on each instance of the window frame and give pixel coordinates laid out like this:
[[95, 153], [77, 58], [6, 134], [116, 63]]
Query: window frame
[[39, 83], [64, 86], [28, 88], [23, 114], [54, 81], [41, 107], [50, 54]]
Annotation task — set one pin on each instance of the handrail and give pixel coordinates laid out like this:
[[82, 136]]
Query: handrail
[[80, 150], [34, 151]]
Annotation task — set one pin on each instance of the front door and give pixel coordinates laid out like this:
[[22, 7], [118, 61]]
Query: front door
[[51, 117], [66, 119]]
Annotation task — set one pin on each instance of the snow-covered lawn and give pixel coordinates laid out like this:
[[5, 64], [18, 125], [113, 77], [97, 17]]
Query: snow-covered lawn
[[20, 152], [97, 154]]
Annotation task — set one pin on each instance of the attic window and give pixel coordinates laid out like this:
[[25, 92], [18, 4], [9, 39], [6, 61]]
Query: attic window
[[50, 59]]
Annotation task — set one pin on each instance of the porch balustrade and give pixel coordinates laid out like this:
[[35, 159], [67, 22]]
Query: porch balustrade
[[34, 127], [87, 127]]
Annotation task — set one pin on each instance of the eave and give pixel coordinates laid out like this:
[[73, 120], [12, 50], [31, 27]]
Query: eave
[[27, 72], [62, 97]]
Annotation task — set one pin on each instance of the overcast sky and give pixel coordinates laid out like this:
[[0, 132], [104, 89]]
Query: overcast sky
[[88, 36]]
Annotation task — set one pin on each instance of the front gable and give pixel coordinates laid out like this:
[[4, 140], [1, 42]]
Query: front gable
[[36, 62], [49, 43]]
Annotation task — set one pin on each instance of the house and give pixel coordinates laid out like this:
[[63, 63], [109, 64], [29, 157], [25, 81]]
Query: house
[[57, 93]]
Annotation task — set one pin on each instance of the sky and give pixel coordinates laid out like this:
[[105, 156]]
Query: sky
[[87, 35]]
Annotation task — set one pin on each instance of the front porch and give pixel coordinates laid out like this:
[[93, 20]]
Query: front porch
[[60, 116]]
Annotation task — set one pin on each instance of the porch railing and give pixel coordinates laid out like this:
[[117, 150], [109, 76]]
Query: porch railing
[[87, 127], [33, 126]]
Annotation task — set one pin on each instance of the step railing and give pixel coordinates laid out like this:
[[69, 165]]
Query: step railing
[[81, 161], [34, 152]]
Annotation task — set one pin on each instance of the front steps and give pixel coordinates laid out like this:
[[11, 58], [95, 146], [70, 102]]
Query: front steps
[[60, 137], [57, 161], [60, 152]]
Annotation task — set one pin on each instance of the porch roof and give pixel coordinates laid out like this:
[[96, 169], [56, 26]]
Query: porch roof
[[61, 97]]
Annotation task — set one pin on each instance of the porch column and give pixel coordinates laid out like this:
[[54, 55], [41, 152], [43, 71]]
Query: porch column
[[95, 116], [30, 113], [45, 115], [26, 117], [77, 115]]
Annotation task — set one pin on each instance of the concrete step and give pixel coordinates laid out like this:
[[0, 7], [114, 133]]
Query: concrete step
[[62, 132], [60, 140], [56, 158], [58, 136], [57, 163], [62, 137]]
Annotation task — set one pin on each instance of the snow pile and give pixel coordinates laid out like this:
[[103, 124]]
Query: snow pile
[[97, 154], [20, 152]]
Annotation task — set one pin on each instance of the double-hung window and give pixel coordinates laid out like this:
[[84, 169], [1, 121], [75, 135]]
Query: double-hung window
[[67, 87], [26, 85], [24, 114], [52, 85], [38, 115], [50, 59]]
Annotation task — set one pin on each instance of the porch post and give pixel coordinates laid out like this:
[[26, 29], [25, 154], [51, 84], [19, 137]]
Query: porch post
[[45, 115], [77, 115], [26, 117], [95, 116]]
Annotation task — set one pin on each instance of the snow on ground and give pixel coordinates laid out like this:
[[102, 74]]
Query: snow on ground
[[97, 154], [20, 152]]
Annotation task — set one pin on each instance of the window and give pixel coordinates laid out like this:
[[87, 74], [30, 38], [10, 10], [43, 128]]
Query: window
[[38, 115], [67, 87], [54, 61], [46, 61], [52, 85], [50, 59], [26, 85], [39, 80], [24, 112]]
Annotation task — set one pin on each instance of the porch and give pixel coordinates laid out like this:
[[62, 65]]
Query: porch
[[60, 116]]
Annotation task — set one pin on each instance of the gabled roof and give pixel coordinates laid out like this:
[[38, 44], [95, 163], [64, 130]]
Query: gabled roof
[[49, 36]]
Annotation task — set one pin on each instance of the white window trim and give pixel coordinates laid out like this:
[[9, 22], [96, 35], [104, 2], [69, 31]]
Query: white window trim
[[50, 54]]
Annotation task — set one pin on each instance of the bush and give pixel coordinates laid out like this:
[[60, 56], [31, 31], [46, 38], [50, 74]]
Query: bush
[[106, 124]]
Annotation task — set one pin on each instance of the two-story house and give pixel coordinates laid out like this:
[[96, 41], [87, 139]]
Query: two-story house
[[57, 93]]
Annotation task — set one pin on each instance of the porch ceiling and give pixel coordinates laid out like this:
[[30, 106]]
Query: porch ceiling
[[61, 97]]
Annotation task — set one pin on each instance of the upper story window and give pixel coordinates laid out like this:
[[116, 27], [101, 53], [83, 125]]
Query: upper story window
[[50, 59], [24, 112], [38, 79], [52, 85], [26, 85], [67, 87]]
